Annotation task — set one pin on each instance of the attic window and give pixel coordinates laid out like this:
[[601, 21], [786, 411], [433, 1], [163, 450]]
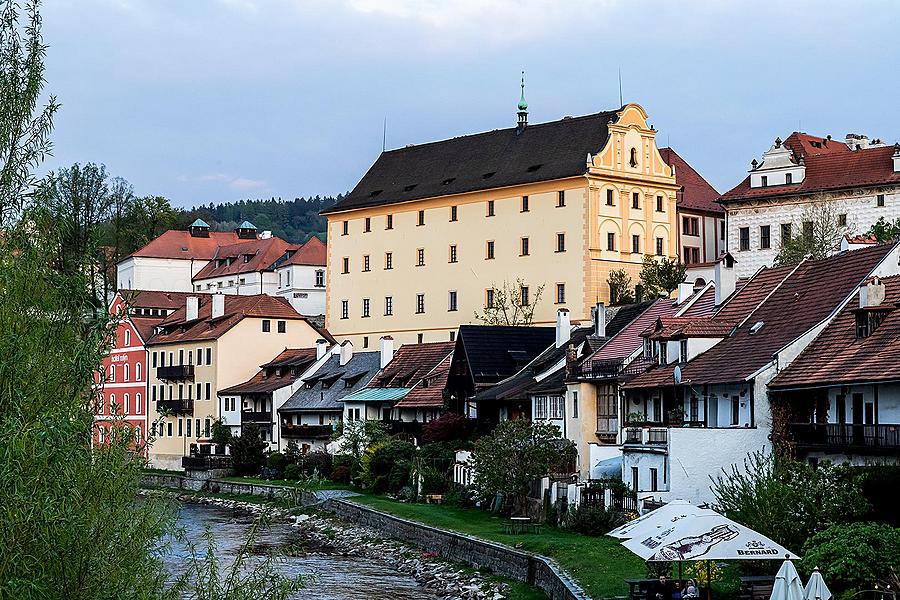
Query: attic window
[[816, 144], [248, 258], [756, 327], [534, 168], [184, 248], [374, 193], [489, 175], [867, 321], [448, 181], [410, 187]]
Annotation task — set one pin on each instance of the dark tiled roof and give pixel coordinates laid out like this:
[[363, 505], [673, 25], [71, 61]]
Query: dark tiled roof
[[245, 256], [432, 394], [482, 161], [697, 193], [750, 293], [494, 353], [341, 381], [671, 328], [831, 170], [805, 296], [411, 363], [704, 305], [838, 357], [292, 357], [628, 339]]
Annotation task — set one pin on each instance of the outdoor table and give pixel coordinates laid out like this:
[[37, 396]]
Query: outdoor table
[[519, 524]]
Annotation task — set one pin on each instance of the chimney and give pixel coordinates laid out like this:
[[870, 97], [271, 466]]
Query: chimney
[[265, 235], [192, 308], [896, 157], [321, 348], [600, 320], [563, 327], [387, 350], [218, 305], [871, 294], [571, 359], [725, 278], [346, 352], [685, 291]]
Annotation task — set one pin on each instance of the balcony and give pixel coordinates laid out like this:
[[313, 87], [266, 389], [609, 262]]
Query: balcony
[[175, 372], [413, 428], [251, 416], [206, 462], [313, 432], [844, 437], [652, 437], [609, 369], [174, 407]]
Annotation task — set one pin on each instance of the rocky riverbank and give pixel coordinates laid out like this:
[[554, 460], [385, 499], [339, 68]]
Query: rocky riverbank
[[321, 534]]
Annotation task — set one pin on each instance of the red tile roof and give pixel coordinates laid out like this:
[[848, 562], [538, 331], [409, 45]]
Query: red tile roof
[[411, 363], [628, 340], [803, 298], [697, 193], [432, 395], [704, 305], [830, 170], [269, 379], [177, 243], [748, 294], [811, 145], [292, 357], [236, 309], [837, 357], [313, 252], [152, 299], [245, 256], [679, 327]]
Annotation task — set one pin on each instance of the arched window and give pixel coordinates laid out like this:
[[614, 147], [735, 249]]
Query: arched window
[[137, 371], [138, 409], [126, 404], [633, 160], [125, 372], [100, 432], [112, 403], [100, 403], [111, 376], [127, 338]]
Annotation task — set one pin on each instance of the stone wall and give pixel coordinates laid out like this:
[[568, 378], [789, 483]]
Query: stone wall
[[499, 559]]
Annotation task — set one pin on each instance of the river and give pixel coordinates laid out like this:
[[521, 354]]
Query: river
[[336, 577]]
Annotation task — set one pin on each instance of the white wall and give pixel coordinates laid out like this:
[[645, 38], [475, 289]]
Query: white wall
[[241, 284], [160, 274], [297, 283]]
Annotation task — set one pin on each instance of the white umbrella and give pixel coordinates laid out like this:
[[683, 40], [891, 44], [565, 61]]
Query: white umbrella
[[658, 520], [787, 583], [815, 588], [706, 537]]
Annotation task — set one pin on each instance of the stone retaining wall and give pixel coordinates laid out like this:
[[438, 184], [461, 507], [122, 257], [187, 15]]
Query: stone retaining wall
[[502, 560]]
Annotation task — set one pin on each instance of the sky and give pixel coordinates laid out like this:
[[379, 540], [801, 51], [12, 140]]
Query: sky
[[217, 100]]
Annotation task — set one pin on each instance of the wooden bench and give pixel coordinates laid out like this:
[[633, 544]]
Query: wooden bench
[[434, 499]]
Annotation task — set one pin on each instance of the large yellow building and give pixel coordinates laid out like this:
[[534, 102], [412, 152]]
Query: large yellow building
[[420, 243]]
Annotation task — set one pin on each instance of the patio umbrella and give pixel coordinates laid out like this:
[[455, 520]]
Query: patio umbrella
[[815, 588], [787, 583], [706, 537], [658, 520]]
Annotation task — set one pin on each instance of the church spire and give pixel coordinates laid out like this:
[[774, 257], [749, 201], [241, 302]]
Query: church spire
[[523, 108]]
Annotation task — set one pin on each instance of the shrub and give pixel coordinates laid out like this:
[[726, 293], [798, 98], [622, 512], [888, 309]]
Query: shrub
[[879, 486], [593, 520], [269, 473], [383, 465], [277, 461], [292, 472], [853, 556], [457, 495], [341, 474], [446, 428], [316, 462], [247, 450]]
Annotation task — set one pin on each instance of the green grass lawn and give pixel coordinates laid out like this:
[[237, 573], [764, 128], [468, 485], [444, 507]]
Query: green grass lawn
[[322, 485], [599, 564], [150, 471]]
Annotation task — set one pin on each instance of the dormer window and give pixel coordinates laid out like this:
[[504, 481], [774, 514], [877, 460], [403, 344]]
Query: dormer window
[[663, 359], [764, 180], [867, 321], [788, 178], [648, 348], [683, 347]]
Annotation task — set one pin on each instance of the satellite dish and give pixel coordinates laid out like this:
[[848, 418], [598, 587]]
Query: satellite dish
[[677, 374]]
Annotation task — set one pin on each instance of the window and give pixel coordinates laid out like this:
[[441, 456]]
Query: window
[[611, 241], [199, 396], [560, 242], [541, 407], [368, 225], [137, 371], [635, 244], [635, 200], [188, 424], [842, 220], [523, 296], [660, 207], [266, 325], [421, 338], [389, 222], [453, 213], [691, 255], [765, 241], [524, 203], [206, 425], [880, 200], [208, 392], [127, 338], [345, 309], [365, 307], [574, 405], [663, 353], [654, 484], [867, 321], [320, 278], [345, 266], [735, 410], [365, 265], [365, 345], [181, 356], [346, 228], [524, 247], [560, 293], [745, 238], [609, 198], [420, 257], [421, 218], [490, 250], [765, 181], [388, 261], [111, 375], [125, 374], [690, 225], [634, 479], [153, 359], [282, 326], [451, 301], [659, 246], [452, 253], [683, 350], [632, 159], [489, 298], [788, 178], [785, 233], [807, 229], [180, 426], [648, 348], [388, 306], [490, 208], [420, 303], [560, 199], [209, 356], [169, 429]]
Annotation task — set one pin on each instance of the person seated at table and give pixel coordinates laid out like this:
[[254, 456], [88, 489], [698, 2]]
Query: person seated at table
[[690, 590], [661, 589]]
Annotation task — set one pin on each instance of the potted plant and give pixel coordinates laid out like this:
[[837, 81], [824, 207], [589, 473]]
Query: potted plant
[[635, 418], [676, 416]]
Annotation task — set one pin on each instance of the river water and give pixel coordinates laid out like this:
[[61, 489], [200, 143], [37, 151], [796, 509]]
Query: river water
[[336, 577]]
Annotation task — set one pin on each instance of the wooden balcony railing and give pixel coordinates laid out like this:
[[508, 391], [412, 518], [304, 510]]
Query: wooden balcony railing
[[884, 437], [313, 432], [609, 369], [206, 462], [252, 416], [175, 407], [175, 372]]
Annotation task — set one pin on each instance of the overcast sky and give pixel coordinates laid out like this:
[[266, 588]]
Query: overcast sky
[[217, 100]]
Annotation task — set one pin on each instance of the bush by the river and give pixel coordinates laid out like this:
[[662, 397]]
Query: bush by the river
[[854, 556], [386, 466], [593, 520]]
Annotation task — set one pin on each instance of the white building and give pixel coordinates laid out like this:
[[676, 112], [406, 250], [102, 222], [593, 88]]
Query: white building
[[858, 180], [301, 277]]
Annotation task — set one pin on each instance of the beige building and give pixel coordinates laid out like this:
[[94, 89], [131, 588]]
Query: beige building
[[212, 343], [433, 230]]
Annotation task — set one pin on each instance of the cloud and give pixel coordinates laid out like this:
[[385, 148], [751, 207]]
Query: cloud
[[234, 183], [242, 183]]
